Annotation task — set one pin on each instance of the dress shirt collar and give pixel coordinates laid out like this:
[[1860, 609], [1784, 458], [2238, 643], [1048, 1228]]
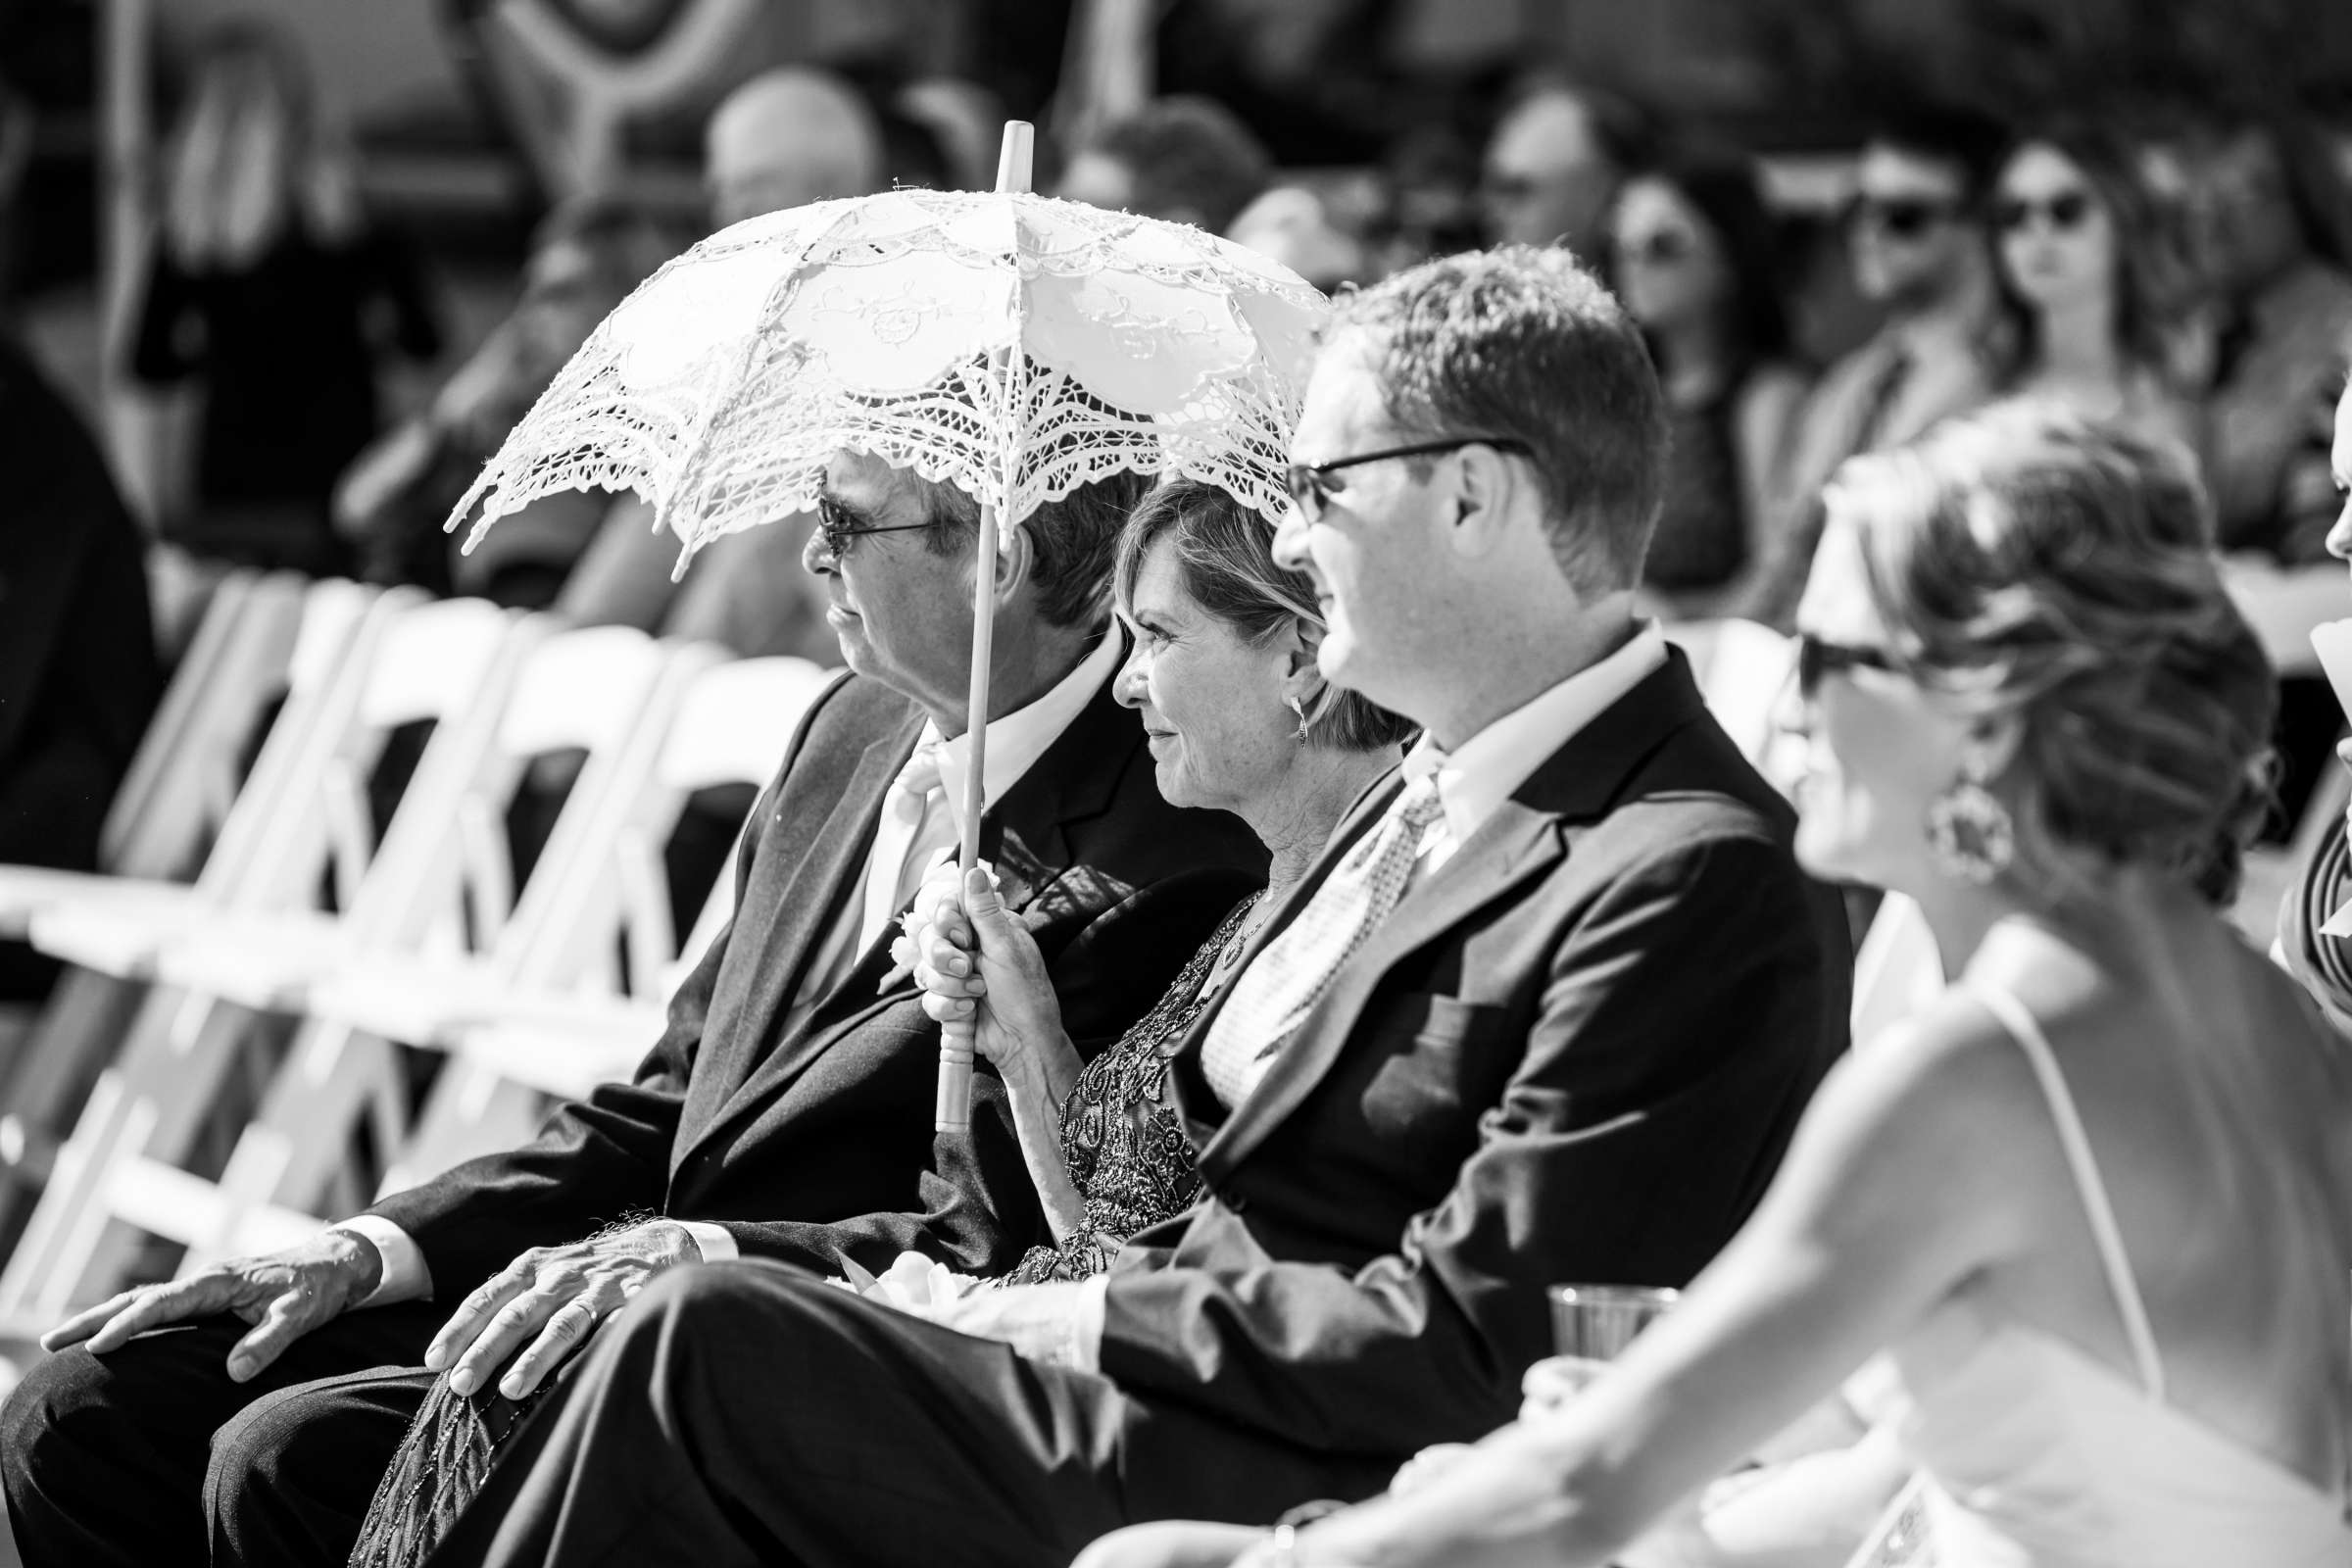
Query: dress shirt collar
[[1480, 774], [1018, 740]]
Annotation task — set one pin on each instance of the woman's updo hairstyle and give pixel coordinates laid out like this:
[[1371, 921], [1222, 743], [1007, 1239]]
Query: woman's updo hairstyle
[[2039, 566], [1225, 558]]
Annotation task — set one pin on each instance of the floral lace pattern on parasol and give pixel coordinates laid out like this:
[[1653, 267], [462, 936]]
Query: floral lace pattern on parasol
[[943, 331]]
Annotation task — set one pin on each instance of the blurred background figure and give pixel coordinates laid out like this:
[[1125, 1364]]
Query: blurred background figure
[[77, 669], [965, 118], [391, 505], [271, 288], [1919, 247], [789, 137], [2288, 306], [783, 139], [1555, 165], [2095, 279], [1297, 228], [1694, 253], [1187, 160]]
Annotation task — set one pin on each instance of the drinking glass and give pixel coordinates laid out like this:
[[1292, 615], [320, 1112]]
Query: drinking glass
[[1596, 1321]]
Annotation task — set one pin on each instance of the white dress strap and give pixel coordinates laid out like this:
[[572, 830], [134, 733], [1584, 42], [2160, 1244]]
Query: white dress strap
[[2019, 1022]]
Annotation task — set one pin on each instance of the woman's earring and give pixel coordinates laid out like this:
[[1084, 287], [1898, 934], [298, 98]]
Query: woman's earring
[[1298, 706], [1969, 830]]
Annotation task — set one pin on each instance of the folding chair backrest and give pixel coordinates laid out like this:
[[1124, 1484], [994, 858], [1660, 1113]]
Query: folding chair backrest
[[1898, 970], [1743, 670], [447, 881], [183, 776]]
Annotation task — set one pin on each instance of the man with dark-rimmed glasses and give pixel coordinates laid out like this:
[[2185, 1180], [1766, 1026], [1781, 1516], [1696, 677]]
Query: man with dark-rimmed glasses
[[1546, 1009]]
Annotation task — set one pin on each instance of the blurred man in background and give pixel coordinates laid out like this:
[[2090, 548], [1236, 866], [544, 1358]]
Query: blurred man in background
[[1186, 160], [1555, 165], [1921, 249]]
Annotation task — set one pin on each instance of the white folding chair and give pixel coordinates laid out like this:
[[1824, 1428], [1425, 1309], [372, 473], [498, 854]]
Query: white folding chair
[[174, 1075], [1899, 970], [275, 636], [560, 1019], [442, 886], [1743, 670]]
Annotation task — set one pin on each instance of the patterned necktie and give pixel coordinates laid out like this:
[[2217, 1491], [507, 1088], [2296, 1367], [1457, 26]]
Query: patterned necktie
[[889, 879], [1283, 982]]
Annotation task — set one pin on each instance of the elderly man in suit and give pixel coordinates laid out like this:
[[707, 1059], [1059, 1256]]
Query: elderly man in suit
[[785, 1114], [1546, 1010]]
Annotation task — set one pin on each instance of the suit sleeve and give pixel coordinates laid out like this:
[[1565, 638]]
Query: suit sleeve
[[978, 1209], [1678, 1030], [596, 1159]]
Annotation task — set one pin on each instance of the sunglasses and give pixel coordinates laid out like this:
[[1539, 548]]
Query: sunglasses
[[1816, 659], [838, 525], [1901, 217], [2063, 212], [1311, 488], [1662, 249]]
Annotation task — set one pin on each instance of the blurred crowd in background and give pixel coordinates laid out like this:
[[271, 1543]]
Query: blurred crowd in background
[[301, 332]]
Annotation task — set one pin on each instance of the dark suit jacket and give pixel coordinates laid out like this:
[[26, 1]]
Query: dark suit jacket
[[821, 1141], [1574, 1052]]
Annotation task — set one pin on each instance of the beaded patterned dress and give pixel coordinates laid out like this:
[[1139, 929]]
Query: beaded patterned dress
[[1123, 1143]]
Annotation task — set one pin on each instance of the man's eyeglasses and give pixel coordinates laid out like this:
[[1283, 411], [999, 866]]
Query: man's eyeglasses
[[2063, 212], [1311, 488], [1903, 218], [1816, 659], [838, 525]]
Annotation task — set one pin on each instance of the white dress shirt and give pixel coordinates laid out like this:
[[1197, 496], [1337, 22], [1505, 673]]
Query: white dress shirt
[[1473, 782], [1014, 743]]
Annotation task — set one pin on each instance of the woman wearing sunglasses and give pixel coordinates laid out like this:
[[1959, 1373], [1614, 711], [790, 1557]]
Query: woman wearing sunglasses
[[2096, 279], [2090, 1210], [1694, 254]]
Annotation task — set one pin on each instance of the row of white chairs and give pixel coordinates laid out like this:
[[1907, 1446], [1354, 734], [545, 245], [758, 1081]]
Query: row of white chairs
[[234, 912], [209, 923]]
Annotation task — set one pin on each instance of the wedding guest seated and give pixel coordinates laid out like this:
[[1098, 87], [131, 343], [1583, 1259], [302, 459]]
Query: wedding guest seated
[[2095, 279], [1695, 254], [2324, 964], [2284, 348], [786, 1112], [1222, 665], [77, 667], [1544, 1009], [1188, 160], [1920, 249], [2095, 1201]]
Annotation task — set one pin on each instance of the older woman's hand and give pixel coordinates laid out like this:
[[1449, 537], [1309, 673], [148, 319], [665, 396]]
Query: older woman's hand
[[973, 955], [1555, 1380]]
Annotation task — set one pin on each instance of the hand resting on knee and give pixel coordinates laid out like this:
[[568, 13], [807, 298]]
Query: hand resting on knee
[[548, 1302], [284, 1296]]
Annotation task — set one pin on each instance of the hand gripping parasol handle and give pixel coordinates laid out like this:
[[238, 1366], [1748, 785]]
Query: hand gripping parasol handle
[[953, 1110]]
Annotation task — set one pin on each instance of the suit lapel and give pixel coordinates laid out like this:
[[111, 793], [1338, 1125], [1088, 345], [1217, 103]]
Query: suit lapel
[[821, 863], [1024, 836], [1524, 839], [1512, 847]]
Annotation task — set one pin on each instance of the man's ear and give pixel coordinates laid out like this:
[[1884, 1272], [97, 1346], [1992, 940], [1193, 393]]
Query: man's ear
[[1487, 489], [1017, 560]]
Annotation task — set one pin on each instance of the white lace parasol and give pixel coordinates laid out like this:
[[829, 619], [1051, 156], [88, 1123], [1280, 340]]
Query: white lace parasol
[[969, 335]]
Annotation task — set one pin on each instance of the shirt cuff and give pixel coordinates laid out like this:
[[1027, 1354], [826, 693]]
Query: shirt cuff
[[715, 1242], [1086, 1323], [406, 1278]]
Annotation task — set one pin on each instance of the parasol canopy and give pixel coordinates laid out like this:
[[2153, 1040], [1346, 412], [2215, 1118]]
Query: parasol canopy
[[1009, 344]]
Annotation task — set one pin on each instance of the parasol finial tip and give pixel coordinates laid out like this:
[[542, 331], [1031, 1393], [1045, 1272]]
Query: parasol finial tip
[[1015, 157]]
